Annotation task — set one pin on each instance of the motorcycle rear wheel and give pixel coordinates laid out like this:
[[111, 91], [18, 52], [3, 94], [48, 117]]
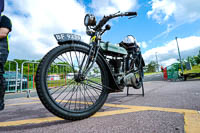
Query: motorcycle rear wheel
[[138, 74], [62, 91]]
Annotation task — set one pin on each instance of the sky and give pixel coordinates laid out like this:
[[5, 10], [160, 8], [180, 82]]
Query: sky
[[155, 28]]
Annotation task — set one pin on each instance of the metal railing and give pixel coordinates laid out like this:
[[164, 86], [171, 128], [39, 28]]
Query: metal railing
[[9, 79], [22, 73], [24, 80]]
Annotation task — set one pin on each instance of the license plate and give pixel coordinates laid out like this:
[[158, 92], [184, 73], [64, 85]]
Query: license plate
[[63, 37]]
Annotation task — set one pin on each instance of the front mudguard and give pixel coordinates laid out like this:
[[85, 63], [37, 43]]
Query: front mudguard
[[113, 86]]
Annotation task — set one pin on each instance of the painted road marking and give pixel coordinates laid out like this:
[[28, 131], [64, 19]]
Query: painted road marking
[[191, 117], [22, 103]]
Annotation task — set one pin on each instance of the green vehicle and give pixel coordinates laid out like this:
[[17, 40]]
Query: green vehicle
[[89, 71]]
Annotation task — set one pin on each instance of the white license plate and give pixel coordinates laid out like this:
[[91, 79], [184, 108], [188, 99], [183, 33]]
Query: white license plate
[[63, 37]]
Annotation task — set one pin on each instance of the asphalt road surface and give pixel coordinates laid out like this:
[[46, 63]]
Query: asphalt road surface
[[167, 107], [154, 77]]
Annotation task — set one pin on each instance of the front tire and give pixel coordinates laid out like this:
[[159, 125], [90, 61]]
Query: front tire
[[59, 89]]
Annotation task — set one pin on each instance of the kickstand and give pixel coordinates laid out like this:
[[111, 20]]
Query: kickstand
[[142, 89], [127, 91], [139, 94]]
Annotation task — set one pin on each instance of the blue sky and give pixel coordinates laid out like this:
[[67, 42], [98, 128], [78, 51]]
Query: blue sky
[[155, 27]]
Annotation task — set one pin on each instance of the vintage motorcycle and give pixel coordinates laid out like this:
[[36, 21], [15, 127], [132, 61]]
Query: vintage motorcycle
[[74, 79]]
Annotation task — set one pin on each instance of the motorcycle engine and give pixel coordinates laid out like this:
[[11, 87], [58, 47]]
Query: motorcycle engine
[[129, 79], [116, 64]]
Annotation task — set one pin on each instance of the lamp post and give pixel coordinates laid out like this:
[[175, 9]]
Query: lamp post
[[157, 61], [179, 55]]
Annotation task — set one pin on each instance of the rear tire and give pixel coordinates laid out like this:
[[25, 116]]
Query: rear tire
[[139, 74], [66, 96]]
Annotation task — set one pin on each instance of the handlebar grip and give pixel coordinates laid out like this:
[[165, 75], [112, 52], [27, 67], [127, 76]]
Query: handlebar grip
[[131, 14]]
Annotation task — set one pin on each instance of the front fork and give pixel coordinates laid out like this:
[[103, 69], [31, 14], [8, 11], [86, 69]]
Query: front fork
[[92, 56]]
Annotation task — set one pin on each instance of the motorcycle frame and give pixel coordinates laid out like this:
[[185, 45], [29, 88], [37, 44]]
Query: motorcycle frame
[[94, 51]]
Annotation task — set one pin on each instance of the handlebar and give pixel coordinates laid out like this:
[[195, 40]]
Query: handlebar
[[130, 13], [105, 19]]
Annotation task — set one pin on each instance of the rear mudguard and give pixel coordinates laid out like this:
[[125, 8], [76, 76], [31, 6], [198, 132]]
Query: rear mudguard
[[113, 87]]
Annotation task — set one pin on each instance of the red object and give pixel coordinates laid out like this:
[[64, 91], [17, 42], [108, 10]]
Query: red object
[[165, 73]]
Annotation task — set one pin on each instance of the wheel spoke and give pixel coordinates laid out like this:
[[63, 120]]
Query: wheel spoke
[[77, 58], [98, 85], [82, 63], [59, 88], [95, 90], [92, 86], [69, 100], [85, 99], [88, 94], [62, 92], [66, 95], [66, 61], [72, 62], [91, 93]]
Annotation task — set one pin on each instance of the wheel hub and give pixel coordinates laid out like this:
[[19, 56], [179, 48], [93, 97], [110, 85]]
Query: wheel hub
[[78, 77]]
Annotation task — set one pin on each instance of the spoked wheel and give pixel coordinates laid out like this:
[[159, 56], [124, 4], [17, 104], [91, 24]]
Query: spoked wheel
[[62, 88]]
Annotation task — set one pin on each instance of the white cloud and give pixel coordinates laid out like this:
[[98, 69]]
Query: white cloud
[[142, 44], [105, 7], [189, 46], [183, 11], [168, 62], [35, 22], [173, 13]]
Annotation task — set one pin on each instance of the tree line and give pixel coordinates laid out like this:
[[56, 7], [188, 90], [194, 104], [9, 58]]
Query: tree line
[[151, 67], [31, 68]]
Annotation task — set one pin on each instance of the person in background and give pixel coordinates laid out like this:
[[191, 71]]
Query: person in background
[[5, 28]]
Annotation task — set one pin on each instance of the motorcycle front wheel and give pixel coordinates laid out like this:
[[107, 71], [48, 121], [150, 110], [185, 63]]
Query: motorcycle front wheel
[[63, 91]]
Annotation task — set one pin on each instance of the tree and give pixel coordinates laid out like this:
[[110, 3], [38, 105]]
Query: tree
[[151, 67], [191, 60], [197, 59]]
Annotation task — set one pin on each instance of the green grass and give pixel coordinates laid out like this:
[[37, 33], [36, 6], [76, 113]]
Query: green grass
[[152, 73], [61, 82], [195, 69]]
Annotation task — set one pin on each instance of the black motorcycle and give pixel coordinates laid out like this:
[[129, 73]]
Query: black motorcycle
[[74, 79]]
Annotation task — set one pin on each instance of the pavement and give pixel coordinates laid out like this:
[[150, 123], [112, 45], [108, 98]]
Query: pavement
[[167, 107], [154, 77]]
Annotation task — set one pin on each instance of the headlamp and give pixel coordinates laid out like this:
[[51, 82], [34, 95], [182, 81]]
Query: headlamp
[[89, 20]]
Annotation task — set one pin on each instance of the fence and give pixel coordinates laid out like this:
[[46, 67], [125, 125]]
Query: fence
[[20, 80], [58, 74], [11, 78], [17, 81]]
